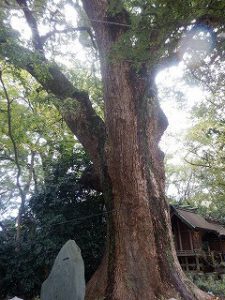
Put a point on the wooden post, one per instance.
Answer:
(197, 263)
(221, 251)
(190, 239)
(186, 263)
(179, 236)
(213, 258)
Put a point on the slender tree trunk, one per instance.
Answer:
(23, 194)
(22, 191)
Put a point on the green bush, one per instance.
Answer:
(62, 209)
(210, 284)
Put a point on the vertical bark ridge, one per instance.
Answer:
(152, 124)
(129, 190)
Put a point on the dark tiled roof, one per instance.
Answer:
(198, 222)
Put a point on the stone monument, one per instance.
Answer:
(66, 280)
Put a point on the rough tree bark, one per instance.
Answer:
(140, 260)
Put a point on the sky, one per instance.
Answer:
(178, 111)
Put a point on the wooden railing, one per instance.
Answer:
(198, 252)
(199, 260)
(189, 252)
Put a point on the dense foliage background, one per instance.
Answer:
(62, 209)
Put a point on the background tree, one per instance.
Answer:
(195, 175)
(25, 139)
(205, 141)
(62, 209)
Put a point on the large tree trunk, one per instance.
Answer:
(140, 261)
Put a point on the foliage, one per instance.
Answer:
(205, 145)
(197, 177)
(159, 28)
(210, 284)
(37, 128)
(34, 123)
(63, 209)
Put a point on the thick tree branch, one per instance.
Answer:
(38, 40)
(45, 37)
(73, 103)
(58, 84)
(32, 23)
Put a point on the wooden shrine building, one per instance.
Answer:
(200, 244)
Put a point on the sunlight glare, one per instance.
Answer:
(177, 113)
(70, 15)
(196, 45)
(20, 25)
